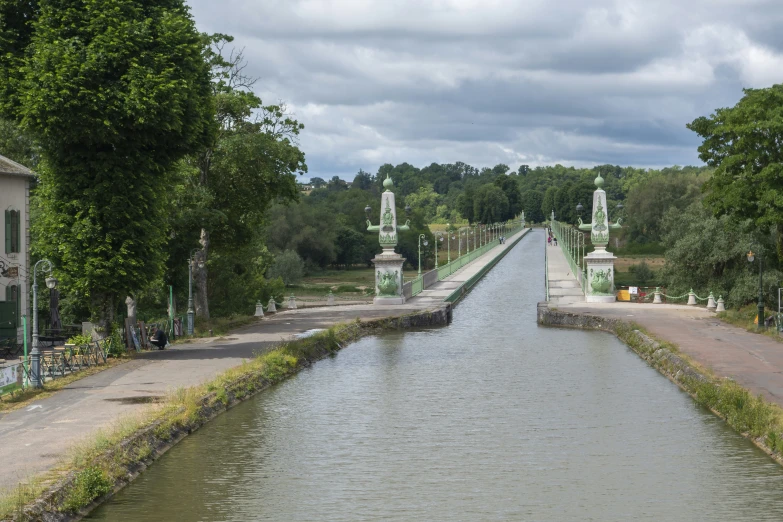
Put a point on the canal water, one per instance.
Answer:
(490, 418)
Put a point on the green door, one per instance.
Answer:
(8, 319)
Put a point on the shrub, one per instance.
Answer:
(80, 339)
(90, 483)
(288, 266)
(642, 272)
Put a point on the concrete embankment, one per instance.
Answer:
(752, 416)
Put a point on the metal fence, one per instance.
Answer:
(425, 280)
(572, 242)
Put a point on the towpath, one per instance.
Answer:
(752, 360)
(34, 438)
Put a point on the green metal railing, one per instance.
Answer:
(572, 242)
(444, 271)
(546, 272)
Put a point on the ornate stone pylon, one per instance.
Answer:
(600, 263)
(388, 264)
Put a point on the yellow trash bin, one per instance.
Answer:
(623, 295)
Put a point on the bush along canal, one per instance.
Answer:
(492, 417)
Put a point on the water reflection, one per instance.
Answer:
(491, 418)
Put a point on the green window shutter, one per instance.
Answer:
(7, 231)
(15, 230)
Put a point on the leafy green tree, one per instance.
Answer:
(465, 204)
(426, 200)
(336, 184)
(548, 203)
(350, 245)
(17, 145)
(510, 188)
(288, 266)
(490, 204)
(655, 195)
(362, 181)
(317, 182)
(532, 200)
(249, 162)
(708, 253)
(743, 145)
(115, 92)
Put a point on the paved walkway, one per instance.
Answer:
(564, 287)
(442, 289)
(34, 438)
(754, 361)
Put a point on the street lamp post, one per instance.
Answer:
(438, 239)
(760, 316)
(448, 241)
(421, 236)
(35, 355)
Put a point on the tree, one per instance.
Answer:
(653, 196)
(548, 203)
(288, 266)
(362, 181)
(350, 244)
(510, 189)
(490, 204)
(249, 161)
(317, 182)
(336, 184)
(532, 201)
(115, 92)
(707, 253)
(17, 145)
(743, 144)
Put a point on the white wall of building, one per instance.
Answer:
(15, 194)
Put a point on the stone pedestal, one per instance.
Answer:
(388, 278)
(599, 287)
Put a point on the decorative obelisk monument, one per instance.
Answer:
(388, 264)
(600, 263)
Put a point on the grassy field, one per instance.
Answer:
(625, 277)
(621, 264)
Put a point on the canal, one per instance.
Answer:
(490, 418)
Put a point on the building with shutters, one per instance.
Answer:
(15, 180)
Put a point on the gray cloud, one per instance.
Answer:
(580, 82)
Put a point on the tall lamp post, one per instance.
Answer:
(421, 236)
(448, 242)
(760, 317)
(35, 355)
(438, 239)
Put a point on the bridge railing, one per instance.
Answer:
(572, 242)
(444, 271)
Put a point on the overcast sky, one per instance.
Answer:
(576, 82)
